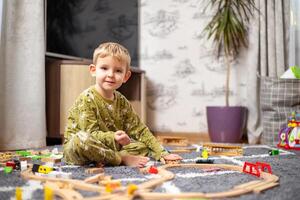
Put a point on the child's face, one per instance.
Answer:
(110, 75)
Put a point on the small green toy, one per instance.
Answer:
(23, 153)
(8, 170)
(274, 152)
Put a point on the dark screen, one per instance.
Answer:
(77, 27)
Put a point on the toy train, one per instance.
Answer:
(289, 136)
(42, 169)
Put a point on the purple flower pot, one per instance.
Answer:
(226, 124)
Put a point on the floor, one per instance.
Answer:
(285, 166)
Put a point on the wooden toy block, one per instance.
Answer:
(182, 150)
(173, 141)
(95, 170)
(6, 156)
(218, 149)
(94, 179)
(51, 160)
(23, 165)
(131, 189)
(25, 159)
(48, 193)
(18, 193)
(173, 161)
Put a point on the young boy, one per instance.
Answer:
(102, 126)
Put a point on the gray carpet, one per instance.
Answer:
(286, 166)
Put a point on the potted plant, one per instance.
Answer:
(229, 31)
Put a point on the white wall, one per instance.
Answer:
(184, 76)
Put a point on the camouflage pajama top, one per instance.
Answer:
(100, 118)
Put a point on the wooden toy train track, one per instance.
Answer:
(65, 187)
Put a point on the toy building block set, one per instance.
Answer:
(289, 136)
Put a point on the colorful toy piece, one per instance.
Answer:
(11, 164)
(131, 189)
(8, 170)
(41, 169)
(204, 153)
(274, 152)
(289, 136)
(23, 153)
(205, 161)
(48, 193)
(110, 186)
(153, 170)
(251, 168)
(18, 193)
(262, 166)
(256, 168)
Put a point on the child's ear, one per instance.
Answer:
(92, 70)
(127, 76)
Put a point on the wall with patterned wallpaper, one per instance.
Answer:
(183, 74)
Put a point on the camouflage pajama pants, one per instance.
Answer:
(83, 148)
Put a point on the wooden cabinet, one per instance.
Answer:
(66, 79)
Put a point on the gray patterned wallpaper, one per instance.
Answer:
(184, 75)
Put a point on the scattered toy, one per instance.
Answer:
(48, 193)
(205, 161)
(112, 185)
(251, 168)
(173, 141)
(8, 170)
(94, 170)
(131, 189)
(50, 159)
(41, 169)
(262, 166)
(173, 161)
(23, 165)
(219, 149)
(18, 193)
(23, 153)
(153, 170)
(289, 136)
(204, 153)
(273, 152)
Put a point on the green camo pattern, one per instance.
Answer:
(91, 124)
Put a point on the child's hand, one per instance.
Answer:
(122, 138)
(172, 157)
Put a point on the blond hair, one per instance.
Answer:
(112, 49)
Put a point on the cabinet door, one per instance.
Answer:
(74, 79)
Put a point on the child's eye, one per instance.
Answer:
(119, 70)
(103, 68)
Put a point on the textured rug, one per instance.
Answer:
(286, 166)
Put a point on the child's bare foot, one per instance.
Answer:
(134, 161)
